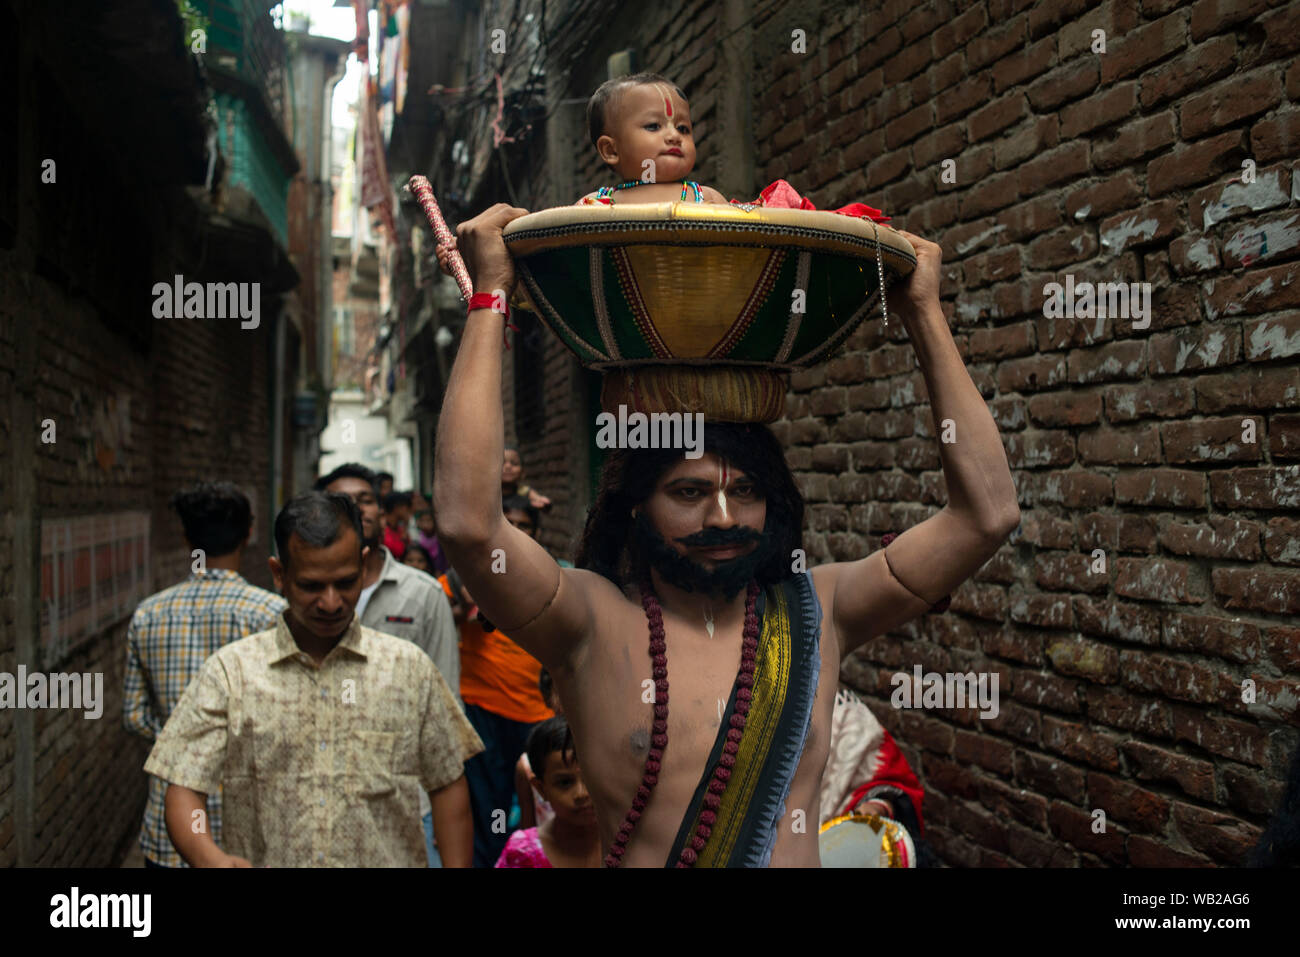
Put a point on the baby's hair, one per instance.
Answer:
(609, 91)
(550, 736)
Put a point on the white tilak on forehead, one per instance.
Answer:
(723, 479)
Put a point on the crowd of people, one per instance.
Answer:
(368, 714)
(215, 667)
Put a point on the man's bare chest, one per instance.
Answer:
(610, 700)
(618, 681)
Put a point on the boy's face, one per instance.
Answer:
(512, 469)
(562, 785)
(363, 493)
(415, 558)
(649, 122)
(424, 521)
(522, 521)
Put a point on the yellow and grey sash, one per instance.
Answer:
(776, 729)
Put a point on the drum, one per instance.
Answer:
(865, 840)
(696, 307)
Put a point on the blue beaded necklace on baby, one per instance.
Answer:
(689, 187)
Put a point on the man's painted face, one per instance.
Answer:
(651, 122)
(361, 492)
(511, 469)
(703, 527)
(321, 585)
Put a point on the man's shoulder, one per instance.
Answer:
(603, 595)
(258, 607)
(234, 589)
(186, 590)
(258, 594)
(411, 577)
(404, 651)
(161, 600)
(255, 647)
(825, 577)
(416, 585)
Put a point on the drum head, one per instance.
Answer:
(865, 840)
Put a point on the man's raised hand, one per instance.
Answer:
(479, 242)
(920, 290)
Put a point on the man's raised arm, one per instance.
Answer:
(511, 577)
(926, 562)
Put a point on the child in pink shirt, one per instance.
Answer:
(570, 838)
(535, 810)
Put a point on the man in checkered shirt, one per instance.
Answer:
(173, 632)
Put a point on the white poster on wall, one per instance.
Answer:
(94, 572)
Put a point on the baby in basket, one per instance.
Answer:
(641, 127)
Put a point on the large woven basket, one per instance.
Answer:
(741, 294)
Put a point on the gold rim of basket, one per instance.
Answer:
(689, 224)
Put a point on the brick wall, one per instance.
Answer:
(1122, 691)
(198, 401)
(78, 344)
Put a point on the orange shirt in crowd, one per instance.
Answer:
(497, 675)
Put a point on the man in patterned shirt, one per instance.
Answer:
(398, 599)
(173, 632)
(320, 732)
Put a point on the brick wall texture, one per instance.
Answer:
(1122, 690)
(78, 338)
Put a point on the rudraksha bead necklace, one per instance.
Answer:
(659, 730)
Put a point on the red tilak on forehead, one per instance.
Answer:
(668, 105)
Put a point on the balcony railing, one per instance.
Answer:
(245, 36)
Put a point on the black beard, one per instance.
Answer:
(727, 578)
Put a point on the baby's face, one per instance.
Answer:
(650, 122)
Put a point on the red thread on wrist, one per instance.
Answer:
(487, 300)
